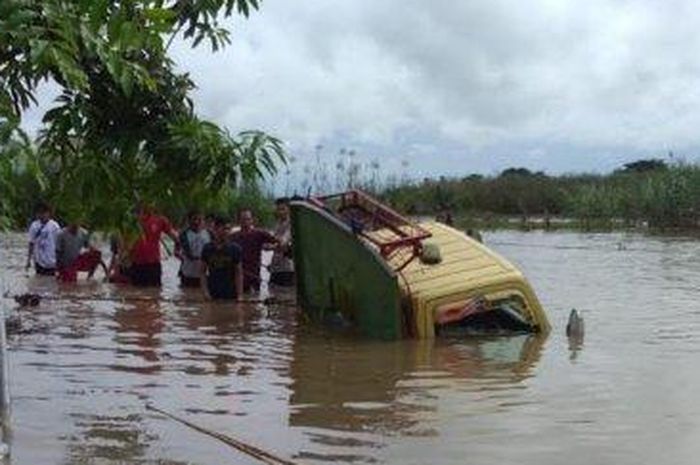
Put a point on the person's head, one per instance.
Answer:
(209, 221)
(448, 218)
(73, 226)
(195, 219)
(219, 229)
(282, 209)
(73, 220)
(246, 219)
(43, 212)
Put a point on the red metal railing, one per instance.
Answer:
(365, 215)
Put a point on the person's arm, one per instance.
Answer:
(171, 232)
(55, 231)
(203, 279)
(185, 245)
(284, 243)
(30, 252)
(167, 228)
(30, 249)
(239, 282)
(88, 242)
(173, 235)
(270, 242)
(59, 251)
(114, 248)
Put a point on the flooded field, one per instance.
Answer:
(85, 371)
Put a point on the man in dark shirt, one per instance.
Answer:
(221, 275)
(251, 240)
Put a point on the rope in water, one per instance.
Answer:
(237, 444)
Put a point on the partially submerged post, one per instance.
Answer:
(4, 385)
(575, 328)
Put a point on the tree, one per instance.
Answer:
(19, 175)
(515, 172)
(123, 127)
(644, 166)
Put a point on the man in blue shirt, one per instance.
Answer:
(221, 274)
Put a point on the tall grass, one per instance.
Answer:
(668, 197)
(646, 193)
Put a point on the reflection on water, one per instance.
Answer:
(137, 335)
(340, 385)
(388, 389)
(82, 377)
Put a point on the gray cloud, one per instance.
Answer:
(462, 86)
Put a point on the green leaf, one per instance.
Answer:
(127, 82)
(160, 17)
(70, 71)
(38, 47)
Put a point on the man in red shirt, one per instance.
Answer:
(251, 240)
(145, 254)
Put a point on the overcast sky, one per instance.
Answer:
(460, 86)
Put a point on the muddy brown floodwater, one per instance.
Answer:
(84, 372)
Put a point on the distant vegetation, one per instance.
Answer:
(647, 193)
(654, 193)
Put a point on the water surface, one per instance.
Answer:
(84, 373)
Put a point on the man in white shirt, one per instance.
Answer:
(42, 242)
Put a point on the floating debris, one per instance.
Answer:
(27, 300)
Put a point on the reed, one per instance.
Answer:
(666, 197)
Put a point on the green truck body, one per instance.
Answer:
(340, 279)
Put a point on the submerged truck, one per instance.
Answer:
(362, 266)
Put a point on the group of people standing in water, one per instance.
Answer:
(224, 261)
